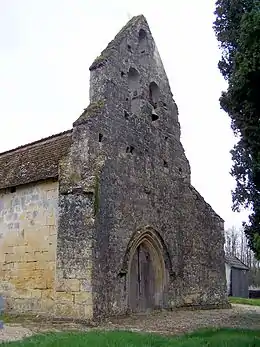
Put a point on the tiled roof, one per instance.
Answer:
(235, 262)
(33, 162)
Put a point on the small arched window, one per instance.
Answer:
(143, 42)
(154, 94)
(133, 79)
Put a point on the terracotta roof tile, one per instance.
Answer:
(33, 162)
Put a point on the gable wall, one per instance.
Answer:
(28, 239)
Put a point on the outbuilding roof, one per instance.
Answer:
(235, 262)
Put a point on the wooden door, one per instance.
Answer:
(142, 280)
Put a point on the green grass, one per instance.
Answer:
(244, 301)
(201, 338)
(7, 318)
(16, 318)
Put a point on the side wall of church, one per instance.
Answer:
(28, 240)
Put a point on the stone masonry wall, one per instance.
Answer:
(127, 143)
(75, 231)
(28, 238)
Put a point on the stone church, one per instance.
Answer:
(102, 219)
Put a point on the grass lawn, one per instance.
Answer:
(244, 301)
(201, 338)
(7, 319)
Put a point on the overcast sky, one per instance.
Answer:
(47, 46)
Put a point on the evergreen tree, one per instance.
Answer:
(237, 27)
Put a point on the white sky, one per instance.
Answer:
(47, 46)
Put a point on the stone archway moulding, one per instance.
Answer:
(152, 237)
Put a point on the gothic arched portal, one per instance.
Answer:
(147, 275)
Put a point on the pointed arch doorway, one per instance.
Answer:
(146, 274)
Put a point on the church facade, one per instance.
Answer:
(102, 219)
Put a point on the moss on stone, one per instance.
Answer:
(95, 106)
(113, 45)
(92, 110)
(99, 61)
(75, 177)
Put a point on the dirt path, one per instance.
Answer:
(175, 322)
(181, 321)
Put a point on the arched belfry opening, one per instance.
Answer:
(143, 41)
(133, 79)
(134, 89)
(147, 273)
(154, 94)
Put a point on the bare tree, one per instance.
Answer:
(236, 244)
(231, 244)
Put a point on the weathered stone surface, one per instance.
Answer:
(127, 171)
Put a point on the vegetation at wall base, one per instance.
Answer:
(244, 301)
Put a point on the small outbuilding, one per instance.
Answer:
(236, 276)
